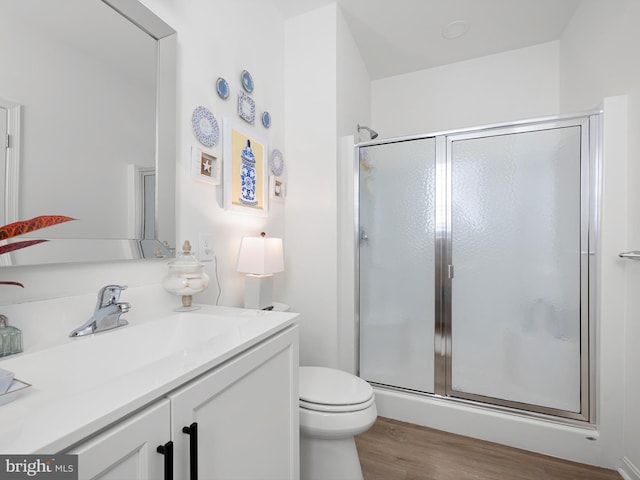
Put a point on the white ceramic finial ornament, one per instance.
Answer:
(186, 278)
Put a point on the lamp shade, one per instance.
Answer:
(260, 255)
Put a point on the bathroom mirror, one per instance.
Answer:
(87, 97)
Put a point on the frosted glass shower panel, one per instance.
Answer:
(396, 252)
(515, 247)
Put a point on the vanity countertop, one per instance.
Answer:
(83, 386)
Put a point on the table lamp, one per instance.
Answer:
(260, 257)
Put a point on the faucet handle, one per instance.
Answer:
(109, 295)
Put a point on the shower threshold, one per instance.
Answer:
(490, 405)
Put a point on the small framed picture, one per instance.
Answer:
(276, 188)
(205, 166)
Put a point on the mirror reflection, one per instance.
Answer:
(79, 97)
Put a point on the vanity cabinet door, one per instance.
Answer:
(127, 450)
(246, 413)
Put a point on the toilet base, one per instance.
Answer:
(335, 459)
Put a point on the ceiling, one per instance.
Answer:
(402, 36)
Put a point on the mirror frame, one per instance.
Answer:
(91, 250)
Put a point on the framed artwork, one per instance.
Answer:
(245, 171)
(205, 166)
(276, 188)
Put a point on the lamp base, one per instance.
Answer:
(258, 291)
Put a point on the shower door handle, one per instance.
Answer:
(633, 255)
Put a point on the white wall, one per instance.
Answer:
(328, 94)
(354, 107)
(611, 281)
(353, 82)
(497, 88)
(632, 326)
(598, 58)
(311, 206)
(220, 39)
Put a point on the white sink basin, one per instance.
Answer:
(101, 357)
(128, 348)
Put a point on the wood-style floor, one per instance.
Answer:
(393, 450)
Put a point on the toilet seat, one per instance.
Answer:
(329, 390)
(320, 407)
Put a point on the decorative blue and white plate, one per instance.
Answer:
(246, 108)
(247, 81)
(222, 87)
(266, 119)
(276, 162)
(205, 126)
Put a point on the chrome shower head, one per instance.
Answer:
(372, 133)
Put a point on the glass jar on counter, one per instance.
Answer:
(10, 338)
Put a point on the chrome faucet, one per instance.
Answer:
(107, 314)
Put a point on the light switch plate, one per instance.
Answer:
(205, 247)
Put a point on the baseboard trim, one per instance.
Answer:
(629, 471)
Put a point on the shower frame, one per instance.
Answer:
(590, 173)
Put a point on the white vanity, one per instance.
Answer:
(218, 386)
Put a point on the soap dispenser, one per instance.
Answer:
(10, 338)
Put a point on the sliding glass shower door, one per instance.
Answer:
(474, 263)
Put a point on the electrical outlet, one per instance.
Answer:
(205, 250)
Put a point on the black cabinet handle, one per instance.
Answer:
(192, 431)
(167, 451)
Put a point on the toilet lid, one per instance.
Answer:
(324, 388)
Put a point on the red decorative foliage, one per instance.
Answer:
(26, 226)
(10, 247)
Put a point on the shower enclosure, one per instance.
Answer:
(475, 264)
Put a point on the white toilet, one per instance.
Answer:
(334, 407)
